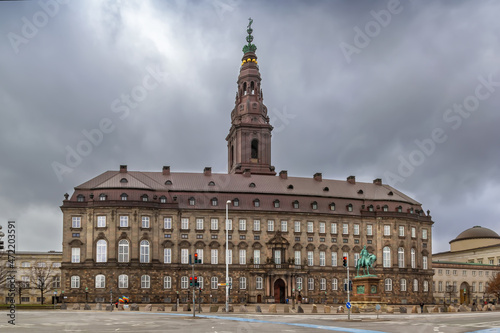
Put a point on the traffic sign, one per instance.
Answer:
(348, 305)
(221, 284)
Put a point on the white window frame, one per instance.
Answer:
(214, 282)
(387, 230)
(167, 255)
(310, 258)
(101, 251)
(310, 284)
(145, 281)
(356, 229)
(413, 256)
(345, 229)
(322, 284)
(167, 282)
(123, 281)
(386, 254)
(101, 221)
(184, 256)
(258, 283)
(214, 257)
(243, 257)
(401, 231)
(75, 254)
(334, 259)
(335, 284)
(200, 224)
(256, 225)
(388, 284)
(242, 225)
(256, 257)
(75, 282)
(167, 223)
(369, 230)
(76, 222)
(144, 251)
(322, 258)
(145, 222)
(123, 221)
(270, 225)
(310, 227)
(297, 258)
(333, 228)
(214, 224)
(184, 223)
(243, 282)
(123, 250)
(296, 226)
(284, 226)
(402, 285)
(322, 227)
(100, 281)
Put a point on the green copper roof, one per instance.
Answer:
(249, 47)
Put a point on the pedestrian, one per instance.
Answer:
(421, 307)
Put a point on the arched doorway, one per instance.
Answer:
(279, 291)
(465, 293)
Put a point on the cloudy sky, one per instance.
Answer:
(407, 92)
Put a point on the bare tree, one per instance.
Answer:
(41, 277)
(20, 287)
(4, 267)
(493, 286)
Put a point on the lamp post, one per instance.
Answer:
(227, 257)
(86, 295)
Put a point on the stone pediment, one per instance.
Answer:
(278, 239)
(75, 242)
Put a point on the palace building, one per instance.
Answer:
(132, 232)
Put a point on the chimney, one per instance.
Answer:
(318, 176)
(123, 169)
(207, 171)
(377, 181)
(351, 180)
(284, 174)
(166, 170)
(247, 173)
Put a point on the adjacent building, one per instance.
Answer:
(132, 232)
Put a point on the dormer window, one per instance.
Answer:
(80, 198)
(236, 202)
(256, 203)
(145, 197)
(102, 197)
(390, 193)
(211, 183)
(370, 208)
(191, 201)
(360, 192)
(326, 189)
(163, 199)
(332, 206)
(385, 208)
(296, 204)
(290, 187)
(168, 182)
(314, 205)
(349, 207)
(214, 201)
(124, 196)
(399, 209)
(123, 180)
(251, 185)
(276, 203)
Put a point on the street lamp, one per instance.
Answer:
(86, 295)
(227, 257)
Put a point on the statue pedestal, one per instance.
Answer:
(366, 289)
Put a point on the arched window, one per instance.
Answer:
(255, 148)
(402, 284)
(100, 281)
(124, 196)
(145, 197)
(370, 208)
(386, 253)
(145, 281)
(314, 205)
(399, 209)
(163, 199)
(80, 198)
(349, 207)
(123, 250)
(252, 88)
(101, 253)
(385, 208)
(413, 262)
(332, 206)
(388, 285)
(214, 201)
(244, 88)
(75, 281)
(426, 285)
(102, 197)
(192, 202)
(123, 281)
(123, 180)
(236, 202)
(296, 204)
(401, 257)
(144, 251)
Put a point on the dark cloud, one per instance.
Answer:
(358, 114)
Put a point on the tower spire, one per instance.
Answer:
(249, 138)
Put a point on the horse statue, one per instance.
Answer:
(365, 261)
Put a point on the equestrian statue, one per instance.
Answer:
(365, 261)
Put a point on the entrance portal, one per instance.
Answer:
(259, 298)
(279, 291)
(464, 293)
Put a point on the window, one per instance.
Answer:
(167, 255)
(310, 227)
(473, 287)
(401, 257)
(75, 255)
(184, 223)
(297, 257)
(76, 222)
(256, 203)
(199, 224)
(101, 221)
(314, 205)
(356, 230)
(124, 196)
(426, 285)
(236, 202)
(296, 227)
(144, 249)
(415, 285)
(200, 255)
(333, 228)
(387, 230)
(243, 225)
(243, 257)
(145, 197)
(385, 208)
(123, 281)
(440, 286)
(56, 282)
(167, 223)
(41, 264)
(386, 254)
(258, 282)
(214, 281)
(298, 283)
(332, 206)
(335, 284)
(284, 226)
(413, 232)
(256, 257)
(349, 207)
(163, 199)
(388, 285)
(214, 256)
(123, 250)
(58, 265)
(369, 230)
(167, 282)
(356, 258)
(270, 225)
(101, 250)
(322, 258)
(322, 284)
(230, 256)
(345, 229)
(75, 281)
(413, 261)
(100, 281)
(229, 225)
(310, 258)
(296, 204)
(402, 284)
(276, 204)
(184, 256)
(310, 284)
(401, 231)
(214, 224)
(27, 264)
(256, 225)
(480, 287)
(191, 201)
(184, 282)
(80, 198)
(214, 201)
(145, 281)
(145, 221)
(200, 281)
(123, 221)
(102, 197)
(243, 282)
(322, 228)
(424, 234)
(334, 259)
(399, 208)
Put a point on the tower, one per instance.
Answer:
(249, 138)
